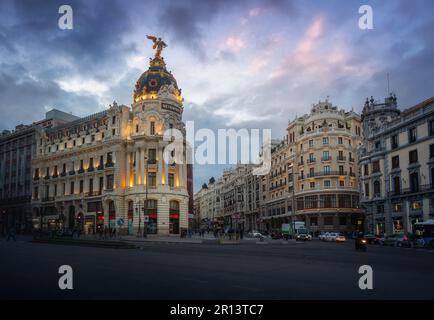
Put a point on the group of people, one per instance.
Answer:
(106, 232)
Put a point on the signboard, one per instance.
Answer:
(190, 216)
(171, 107)
(120, 222)
(146, 218)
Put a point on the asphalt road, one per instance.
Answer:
(313, 270)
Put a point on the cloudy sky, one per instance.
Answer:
(240, 64)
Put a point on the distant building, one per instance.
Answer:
(17, 149)
(397, 165)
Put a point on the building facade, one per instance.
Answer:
(109, 170)
(323, 169)
(397, 165)
(17, 150)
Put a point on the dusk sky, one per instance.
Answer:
(240, 64)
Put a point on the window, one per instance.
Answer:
(397, 207)
(414, 182)
(325, 140)
(152, 179)
(340, 141)
(312, 185)
(412, 156)
(431, 151)
(376, 166)
(394, 141)
(366, 189)
(101, 184)
(377, 188)
(341, 155)
(109, 182)
(431, 127)
(343, 221)
(72, 187)
(341, 170)
(90, 186)
(396, 185)
(311, 172)
(137, 128)
(415, 205)
(109, 158)
(310, 143)
(366, 170)
(341, 183)
(326, 170)
(325, 155)
(152, 156)
(91, 163)
(81, 186)
(152, 128)
(327, 183)
(113, 120)
(328, 221)
(395, 162)
(412, 135)
(171, 180)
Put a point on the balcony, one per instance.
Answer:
(152, 161)
(93, 193)
(36, 178)
(80, 171)
(90, 169)
(351, 160)
(47, 177)
(311, 160)
(47, 199)
(55, 176)
(342, 158)
(327, 173)
(300, 163)
(109, 164)
(329, 158)
(63, 174)
(71, 173)
(100, 167)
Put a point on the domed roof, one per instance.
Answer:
(156, 80)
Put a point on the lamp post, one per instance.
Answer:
(139, 232)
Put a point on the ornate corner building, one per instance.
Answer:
(108, 169)
(397, 165)
(322, 169)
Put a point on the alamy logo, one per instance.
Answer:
(366, 280)
(66, 280)
(66, 19)
(366, 21)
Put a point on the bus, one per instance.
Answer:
(425, 233)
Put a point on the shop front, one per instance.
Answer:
(89, 224)
(174, 217)
(151, 212)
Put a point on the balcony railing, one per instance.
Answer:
(329, 158)
(47, 199)
(71, 173)
(327, 173)
(100, 167)
(63, 174)
(93, 193)
(109, 164)
(90, 169)
(311, 160)
(342, 158)
(80, 171)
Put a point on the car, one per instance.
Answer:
(372, 239)
(276, 235)
(340, 238)
(323, 236)
(303, 237)
(255, 234)
(331, 236)
(389, 240)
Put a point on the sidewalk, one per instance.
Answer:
(160, 239)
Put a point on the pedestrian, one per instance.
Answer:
(105, 232)
(11, 234)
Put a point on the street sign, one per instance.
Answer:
(146, 218)
(120, 222)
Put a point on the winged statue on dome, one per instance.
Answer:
(159, 45)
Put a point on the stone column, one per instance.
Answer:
(142, 166)
(128, 167)
(136, 177)
(160, 166)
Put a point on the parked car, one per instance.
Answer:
(323, 236)
(331, 236)
(340, 238)
(276, 235)
(390, 240)
(303, 237)
(255, 234)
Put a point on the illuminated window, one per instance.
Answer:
(152, 128)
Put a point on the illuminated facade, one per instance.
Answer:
(322, 169)
(397, 165)
(108, 170)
